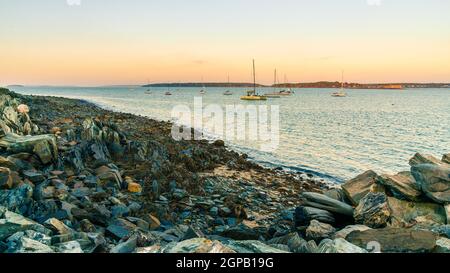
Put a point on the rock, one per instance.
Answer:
(27, 245)
(446, 158)
(192, 233)
(318, 231)
(406, 214)
(44, 146)
(304, 215)
(442, 245)
(34, 176)
(109, 177)
(57, 226)
(343, 233)
(402, 185)
(8, 163)
(292, 240)
(395, 239)
(373, 211)
(360, 186)
(152, 221)
(87, 226)
(23, 109)
(447, 213)
(219, 143)
(337, 194)
(69, 247)
(126, 247)
(199, 245)
(434, 180)
(134, 187)
(419, 159)
(120, 228)
(250, 246)
(31, 234)
(17, 200)
(339, 245)
(8, 179)
(320, 201)
(241, 232)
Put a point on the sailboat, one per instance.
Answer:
(273, 95)
(228, 92)
(168, 93)
(252, 95)
(148, 92)
(341, 93)
(203, 91)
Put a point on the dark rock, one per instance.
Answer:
(17, 200)
(241, 232)
(402, 185)
(34, 176)
(320, 201)
(373, 210)
(304, 215)
(120, 228)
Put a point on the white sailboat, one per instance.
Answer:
(228, 92)
(341, 93)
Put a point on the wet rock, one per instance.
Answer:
(44, 146)
(434, 180)
(373, 210)
(318, 231)
(360, 186)
(337, 194)
(442, 245)
(304, 215)
(395, 239)
(406, 214)
(199, 245)
(252, 246)
(402, 185)
(120, 228)
(320, 201)
(343, 233)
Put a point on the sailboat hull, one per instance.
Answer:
(253, 98)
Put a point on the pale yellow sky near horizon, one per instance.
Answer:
(116, 42)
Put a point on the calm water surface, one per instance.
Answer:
(335, 137)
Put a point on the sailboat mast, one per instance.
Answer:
(342, 81)
(254, 77)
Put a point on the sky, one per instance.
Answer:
(114, 42)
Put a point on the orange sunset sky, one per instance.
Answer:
(101, 42)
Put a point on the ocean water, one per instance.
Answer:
(336, 138)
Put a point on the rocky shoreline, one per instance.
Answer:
(75, 178)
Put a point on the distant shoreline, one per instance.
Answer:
(308, 85)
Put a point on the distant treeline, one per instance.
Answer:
(321, 84)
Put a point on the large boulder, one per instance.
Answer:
(442, 245)
(434, 181)
(343, 233)
(402, 185)
(419, 159)
(360, 186)
(44, 146)
(304, 215)
(373, 210)
(395, 240)
(321, 201)
(406, 214)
